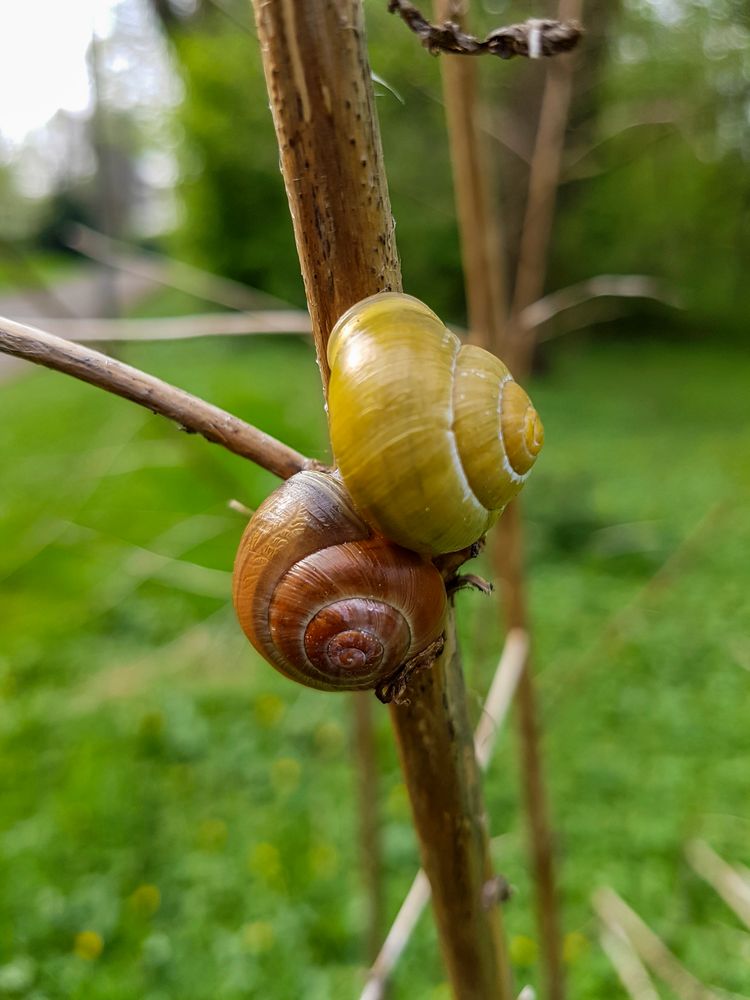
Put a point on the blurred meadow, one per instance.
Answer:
(177, 820)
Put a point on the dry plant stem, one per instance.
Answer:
(323, 108)
(225, 324)
(481, 251)
(493, 716)
(601, 286)
(508, 561)
(450, 818)
(485, 294)
(368, 783)
(322, 102)
(517, 346)
(544, 178)
(730, 884)
(531, 38)
(629, 968)
(616, 914)
(190, 412)
(166, 271)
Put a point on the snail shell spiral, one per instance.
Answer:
(431, 438)
(325, 601)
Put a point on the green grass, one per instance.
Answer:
(163, 788)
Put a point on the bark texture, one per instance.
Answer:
(319, 82)
(323, 109)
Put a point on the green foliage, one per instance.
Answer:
(656, 180)
(179, 821)
(237, 220)
(660, 184)
(236, 215)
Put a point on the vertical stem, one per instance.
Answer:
(323, 108)
(320, 87)
(431, 733)
(544, 178)
(480, 242)
(365, 751)
(478, 221)
(508, 564)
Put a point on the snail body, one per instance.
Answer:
(432, 438)
(327, 602)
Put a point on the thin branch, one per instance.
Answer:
(232, 324)
(398, 937)
(544, 180)
(191, 413)
(623, 286)
(240, 508)
(478, 218)
(499, 698)
(629, 968)
(512, 661)
(481, 255)
(615, 913)
(166, 271)
(733, 887)
(365, 753)
(532, 38)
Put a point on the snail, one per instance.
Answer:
(432, 438)
(329, 603)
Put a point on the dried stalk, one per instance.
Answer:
(533, 38)
(485, 294)
(481, 243)
(321, 95)
(226, 324)
(191, 413)
(508, 562)
(162, 270)
(495, 709)
(544, 179)
(725, 880)
(516, 344)
(624, 286)
(629, 968)
(615, 913)
(370, 841)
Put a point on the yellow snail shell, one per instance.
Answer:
(431, 438)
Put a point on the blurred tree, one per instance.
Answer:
(656, 178)
(235, 214)
(662, 184)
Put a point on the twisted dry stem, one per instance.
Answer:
(531, 38)
(191, 413)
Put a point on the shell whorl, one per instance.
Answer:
(326, 602)
(432, 438)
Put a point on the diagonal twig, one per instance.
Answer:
(616, 914)
(640, 286)
(167, 271)
(190, 412)
(729, 883)
(532, 38)
(629, 968)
